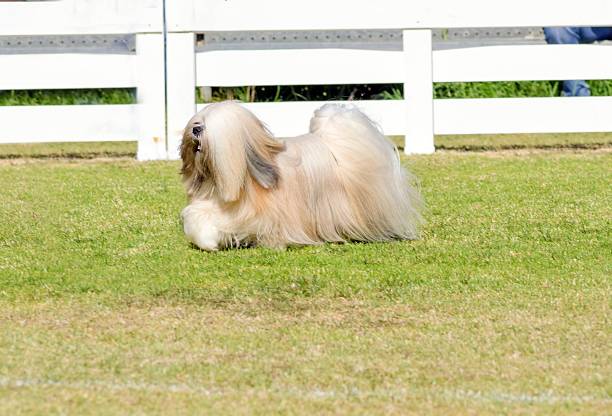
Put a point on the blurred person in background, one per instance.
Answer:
(576, 35)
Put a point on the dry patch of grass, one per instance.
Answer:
(79, 150)
(524, 141)
(480, 142)
(321, 356)
(497, 142)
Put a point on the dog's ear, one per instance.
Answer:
(240, 146)
(262, 168)
(261, 150)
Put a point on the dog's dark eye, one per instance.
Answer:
(197, 130)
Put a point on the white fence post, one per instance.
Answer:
(150, 91)
(181, 81)
(418, 92)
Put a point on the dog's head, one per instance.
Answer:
(225, 147)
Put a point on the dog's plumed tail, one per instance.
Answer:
(367, 195)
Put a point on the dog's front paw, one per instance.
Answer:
(206, 238)
(200, 231)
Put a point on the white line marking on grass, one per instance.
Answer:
(548, 397)
(95, 384)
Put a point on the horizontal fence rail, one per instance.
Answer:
(69, 123)
(523, 115)
(65, 71)
(355, 66)
(78, 17)
(242, 15)
(276, 42)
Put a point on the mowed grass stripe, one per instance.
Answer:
(113, 228)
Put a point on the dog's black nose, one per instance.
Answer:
(197, 130)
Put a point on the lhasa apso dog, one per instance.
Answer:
(341, 181)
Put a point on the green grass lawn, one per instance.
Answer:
(502, 307)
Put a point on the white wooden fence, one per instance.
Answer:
(143, 122)
(416, 65)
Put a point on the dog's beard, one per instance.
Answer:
(196, 167)
(201, 174)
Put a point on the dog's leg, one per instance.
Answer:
(201, 225)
